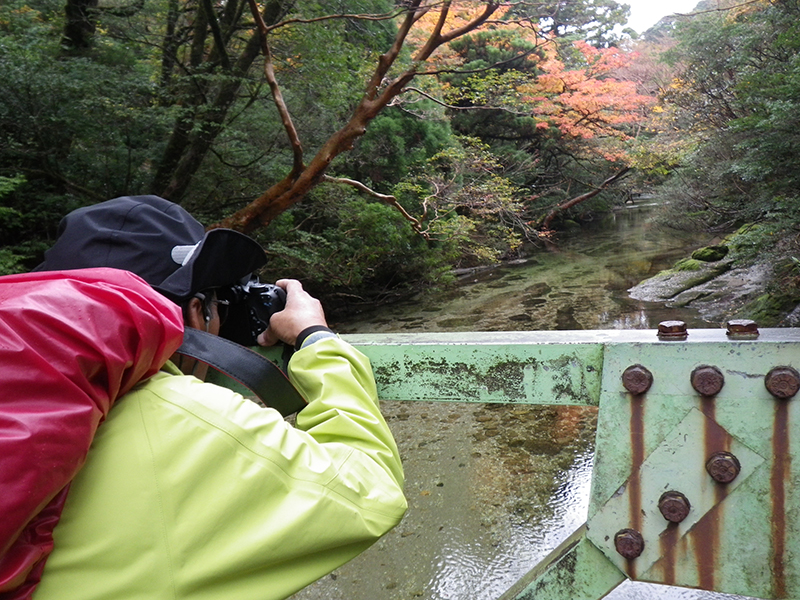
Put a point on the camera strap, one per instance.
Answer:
(257, 373)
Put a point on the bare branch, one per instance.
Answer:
(360, 17)
(69, 184)
(464, 108)
(712, 10)
(280, 103)
(488, 11)
(303, 178)
(498, 64)
(388, 199)
(219, 43)
(435, 40)
(387, 60)
(122, 11)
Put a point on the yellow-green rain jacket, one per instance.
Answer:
(191, 491)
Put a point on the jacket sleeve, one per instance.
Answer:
(71, 343)
(343, 411)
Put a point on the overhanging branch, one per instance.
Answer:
(582, 198)
(388, 199)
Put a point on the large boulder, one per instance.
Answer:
(686, 275)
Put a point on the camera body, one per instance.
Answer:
(251, 305)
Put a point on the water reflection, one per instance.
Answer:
(493, 489)
(581, 284)
(530, 494)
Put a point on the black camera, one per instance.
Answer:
(249, 305)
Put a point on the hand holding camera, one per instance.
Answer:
(302, 311)
(262, 313)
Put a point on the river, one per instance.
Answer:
(580, 284)
(493, 488)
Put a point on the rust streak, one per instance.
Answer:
(707, 530)
(716, 438)
(709, 407)
(781, 462)
(637, 458)
(705, 534)
(669, 541)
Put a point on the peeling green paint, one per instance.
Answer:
(541, 374)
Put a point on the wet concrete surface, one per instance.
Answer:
(491, 489)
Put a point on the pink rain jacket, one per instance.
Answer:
(71, 343)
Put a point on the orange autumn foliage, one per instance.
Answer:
(586, 102)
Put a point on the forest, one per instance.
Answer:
(374, 147)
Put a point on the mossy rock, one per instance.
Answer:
(769, 309)
(688, 264)
(686, 274)
(710, 253)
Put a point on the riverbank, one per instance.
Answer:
(737, 282)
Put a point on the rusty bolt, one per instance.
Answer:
(637, 379)
(707, 380)
(674, 506)
(629, 543)
(742, 328)
(672, 330)
(723, 467)
(782, 382)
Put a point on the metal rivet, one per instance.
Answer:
(723, 467)
(742, 329)
(707, 380)
(674, 506)
(629, 543)
(782, 382)
(637, 379)
(672, 330)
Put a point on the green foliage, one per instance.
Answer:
(153, 104)
(769, 309)
(21, 252)
(72, 125)
(351, 250)
(396, 143)
(595, 21)
(10, 263)
(771, 244)
(463, 197)
(756, 240)
(9, 184)
(321, 68)
(740, 95)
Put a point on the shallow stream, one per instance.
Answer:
(492, 489)
(581, 283)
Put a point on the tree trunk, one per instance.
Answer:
(193, 136)
(380, 92)
(80, 24)
(197, 129)
(548, 219)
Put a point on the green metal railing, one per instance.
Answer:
(696, 480)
